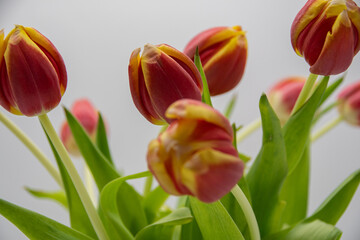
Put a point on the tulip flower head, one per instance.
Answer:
(32, 72)
(223, 53)
(159, 77)
(283, 95)
(349, 104)
(327, 34)
(88, 117)
(195, 155)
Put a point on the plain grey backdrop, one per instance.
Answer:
(96, 39)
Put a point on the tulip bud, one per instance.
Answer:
(87, 116)
(161, 76)
(283, 95)
(327, 34)
(195, 155)
(32, 72)
(223, 52)
(349, 104)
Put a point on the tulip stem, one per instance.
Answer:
(327, 127)
(89, 183)
(248, 129)
(305, 92)
(248, 212)
(79, 186)
(32, 147)
(148, 185)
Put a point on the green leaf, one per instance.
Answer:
(206, 98)
(297, 129)
(79, 219)
(230, 107)
(314, 230)
(102, 171)
(101, 139)
(268, 172)
(331, 88)
(153, 201)
(335, 205)
(164, 228)
(214, 221)
(191, 230)
(295, 191)
(36, 226)
(57, 196)
(120, 204)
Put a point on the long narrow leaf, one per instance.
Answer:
(206, 94)
(268, 172)
(101, 139)
(153, 201)
(314, 230)
(214, 221)
(297, 129)
(57, 196)
(164, 228)
(100, 167)
(36, 226)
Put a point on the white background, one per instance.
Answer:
(96, 39)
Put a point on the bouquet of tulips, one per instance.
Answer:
(222, 193)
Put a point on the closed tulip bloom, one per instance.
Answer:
(195, 155)
(349, 104)
(223, 53)
(327, 34)
(32, 72)
(159, 77)
(283, 95)
(87, 116)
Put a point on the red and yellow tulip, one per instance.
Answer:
(223, 53)
(349, 104)
(159, 77)
(327, 34)
(195, 155)
(32, 72)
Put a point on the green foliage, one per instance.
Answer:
(314, 230)
(36, 226)
(153, 201)
(214, 221)
(206, 98)
(101, 168)
(57, 196)
(101, 139)
(268, 172)
(163, 229)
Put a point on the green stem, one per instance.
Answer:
(305, 92)
(32, 147)
(248, 212)
(79, 186)
(148, 185)
(248, 129)
(89, 183)
(327, 127)
(324, 111)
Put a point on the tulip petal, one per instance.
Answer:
(52, 53)
(338, 50)
(192, 109)
(32, 77)
(165, 80)
(211, 174)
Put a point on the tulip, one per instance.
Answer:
(283, 95)
(195, 155)
(223, 52)
(159, 77)
(327, 34)
(349, 104)
(87, 116)
(32, 72)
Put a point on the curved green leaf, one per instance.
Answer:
(153, 201)
(297, 129)
(314, 230)
(268, 172)
(163, 229)
(102, 171)
(57, 196)
(335, 205)
(101, 139)
(214, 221)
(36, 226)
